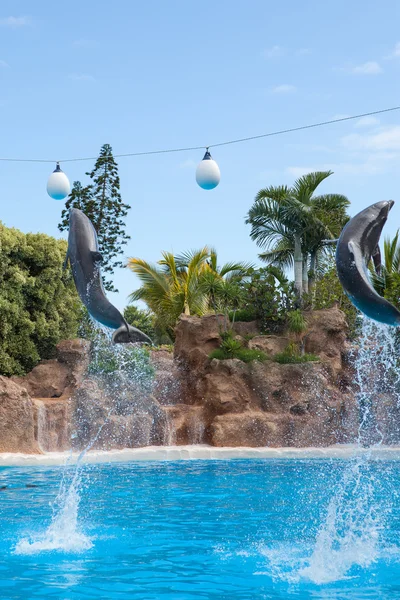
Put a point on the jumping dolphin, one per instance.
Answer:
(358, 242)
(85, 259)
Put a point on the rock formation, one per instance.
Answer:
(269, 404)
(193, 399)
(17, 423)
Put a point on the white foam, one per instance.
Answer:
(199, 452)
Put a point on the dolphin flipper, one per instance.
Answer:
(65, 263)
(97, 256)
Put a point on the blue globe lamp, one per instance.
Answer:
(58, 186)
(208, 175)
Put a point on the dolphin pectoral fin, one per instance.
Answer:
(65, 263)
(377, 258)
(132, 335)
(97, 256)
(350, 246)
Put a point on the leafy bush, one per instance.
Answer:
(244, 315)
(269, 296)
(296, 322)
(233, 348)
(39, 305)
(328, 292)
(285, 358)
(245, 354)
(229, 344)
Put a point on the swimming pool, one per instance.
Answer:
(237, 529)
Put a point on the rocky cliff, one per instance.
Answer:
(192, 399)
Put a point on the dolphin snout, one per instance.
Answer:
(385, 206)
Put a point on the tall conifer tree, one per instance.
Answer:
(79, 197)
(101, 201)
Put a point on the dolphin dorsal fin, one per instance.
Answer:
(97, 256)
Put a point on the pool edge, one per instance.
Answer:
(198, 452)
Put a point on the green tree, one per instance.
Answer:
(293, 224)
(38, 305)
(80, 197)
(101, 201)
(191, 283)
(171, 287)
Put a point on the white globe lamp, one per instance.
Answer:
(208, 175)
(58, 186)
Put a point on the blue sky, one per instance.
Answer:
(149, 75)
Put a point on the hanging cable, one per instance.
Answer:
(217, 145)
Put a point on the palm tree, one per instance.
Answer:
(191, 283)
(386, 277)
(293, 224)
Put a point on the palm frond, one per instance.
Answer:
(281, 258)
(304, 187)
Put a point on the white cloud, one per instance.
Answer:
(387, 138)
(274, 52)
(4, 64)
(395, 53)
(15, 21)
(284, 89)
(371, 165)
(339, 116)
(369, 68)
(369, 153)
(187, 164)
(81, 77)
(367, 122)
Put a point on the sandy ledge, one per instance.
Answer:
(200, 452)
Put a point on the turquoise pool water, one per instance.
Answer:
(238, 529)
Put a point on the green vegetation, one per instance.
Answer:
(297, 327)
(191, 284)
(38, 304)
(244, 354)
(288, 358)
(294, 352)
(101, 201)
(232, 347)
(293, 226)
(386, 280)
(329, 292)
(268, 296)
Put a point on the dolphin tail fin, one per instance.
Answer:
(126, 334)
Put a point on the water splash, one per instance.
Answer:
(116, 364)
(350, 536)
(64, 532)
